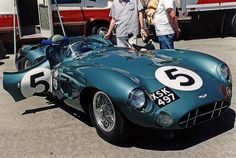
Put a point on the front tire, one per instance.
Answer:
(109, 123)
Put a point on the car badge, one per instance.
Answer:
(202, 96)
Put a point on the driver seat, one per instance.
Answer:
(82, 48)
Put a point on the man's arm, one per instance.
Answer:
(111, 27)
(141, 22)
(173, 20)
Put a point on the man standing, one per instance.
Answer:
(166, 23)
(127, 16)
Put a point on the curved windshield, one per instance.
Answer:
(84, 46)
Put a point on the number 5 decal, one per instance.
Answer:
(35, 82)
(170, 74)
(178, 78)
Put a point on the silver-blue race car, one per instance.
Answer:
(162, 89)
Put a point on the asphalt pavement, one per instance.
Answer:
(40, 128)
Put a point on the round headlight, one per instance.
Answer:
(226, 74)
(137, 98)
(54, 80)
(55, 73)
(164, 119)
(54, 83)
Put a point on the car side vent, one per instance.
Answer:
(203, 113)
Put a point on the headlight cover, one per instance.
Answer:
(225, 73)
(137, 98)
(164, 119)
(55, 74)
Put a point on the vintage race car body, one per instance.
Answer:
(163, 89)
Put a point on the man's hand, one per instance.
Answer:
(111, 26)
(178, 33)
(107, 35)
(143, 33)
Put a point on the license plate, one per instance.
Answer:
(164, 96)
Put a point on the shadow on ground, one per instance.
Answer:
(5, 57)
(152, 139)
(55, 103)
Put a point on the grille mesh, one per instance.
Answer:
(203, 113)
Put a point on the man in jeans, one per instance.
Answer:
(127, 16)
(166, 23)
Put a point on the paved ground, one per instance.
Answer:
(38, 128)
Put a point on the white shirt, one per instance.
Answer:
(161, 21)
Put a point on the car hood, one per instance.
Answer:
(143, 67)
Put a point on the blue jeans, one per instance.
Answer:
(166, 41)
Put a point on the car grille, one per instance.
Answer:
(203, 113)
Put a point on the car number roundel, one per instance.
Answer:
(178, 78)
(36, 82)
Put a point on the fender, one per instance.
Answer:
(36, 52)
(198, 60)
(28, 83)
(109, 80)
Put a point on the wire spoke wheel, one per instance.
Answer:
(104, 111)
(108, 119)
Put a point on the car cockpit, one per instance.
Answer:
(61, 48)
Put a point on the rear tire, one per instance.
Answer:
(98, 29)
(3, 51)
(233, 25)
(106, 118)
(2, 54)
(26, 64)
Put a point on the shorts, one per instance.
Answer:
(122, 41)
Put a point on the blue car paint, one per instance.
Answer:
(12, 80)
(117, 71)
(116, 75)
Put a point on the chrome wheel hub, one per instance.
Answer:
(104, 111)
